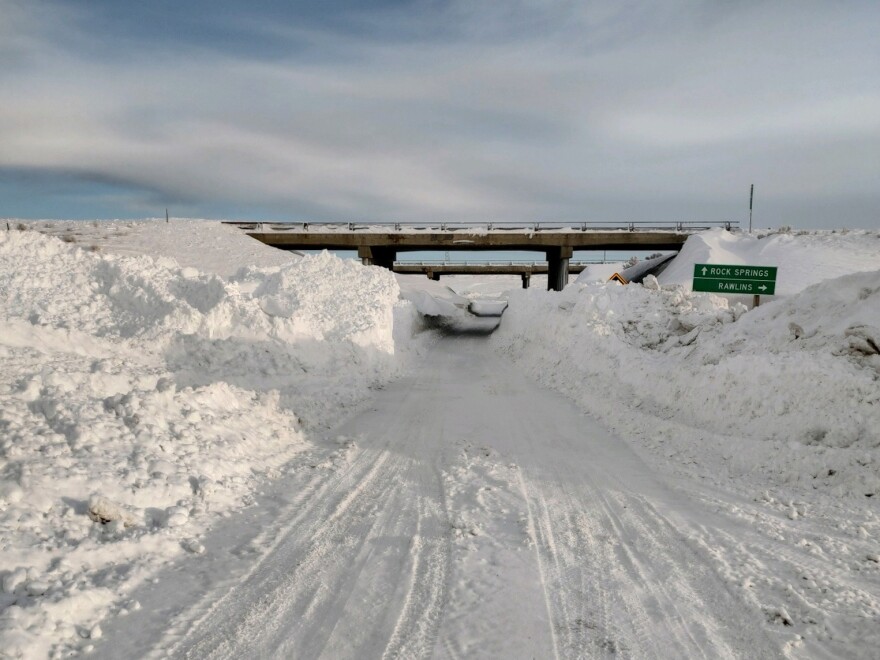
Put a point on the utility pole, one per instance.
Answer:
(751, 198)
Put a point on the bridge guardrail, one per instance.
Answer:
(494, 264)
(659, 225)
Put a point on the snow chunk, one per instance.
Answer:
(103, 510)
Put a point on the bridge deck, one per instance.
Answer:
(526, 236)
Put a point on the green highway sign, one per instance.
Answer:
(725, 279)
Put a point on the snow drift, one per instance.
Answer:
(790, 390)
(803, 258)
(138, 399)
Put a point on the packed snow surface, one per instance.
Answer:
(468, 512)
(240, 452)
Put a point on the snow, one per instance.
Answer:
(140, 399)
(803, 258)
(798, 371)
(467, 512)
(209, 446)
(599, 272)
(431, 298)
(488, 307)
(778, 407)
(208, 246)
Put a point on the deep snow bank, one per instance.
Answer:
(803, 258)
(789, 392)
(769, 418)
(138, 398)
(207, 245)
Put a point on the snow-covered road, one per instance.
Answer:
(465, 512)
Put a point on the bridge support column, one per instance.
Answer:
(557, 267)
(526, 278)
(384, 257)
(377, 256)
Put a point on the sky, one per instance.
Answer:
(424, 110)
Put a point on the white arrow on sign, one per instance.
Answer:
(763, 287)
(704, 271)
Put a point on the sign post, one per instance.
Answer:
(736, 279)
(751, 199)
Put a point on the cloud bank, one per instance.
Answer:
(428, 110)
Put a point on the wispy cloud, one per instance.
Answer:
(452, 110)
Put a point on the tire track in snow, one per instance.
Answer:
(652, 595)
(283, 587)
(542, 538)
(363, 566)
(804, 594)
(580, 617)
(399, 591)
(415, 630)
(652, 564)
(622, 580)
(480, 516)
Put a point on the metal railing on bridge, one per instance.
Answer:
(648, 225)
(499, 264)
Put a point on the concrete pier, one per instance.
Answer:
(557, 267)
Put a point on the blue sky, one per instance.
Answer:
(521, 110)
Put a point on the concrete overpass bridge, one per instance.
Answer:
(525, 269)
(379, 244)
